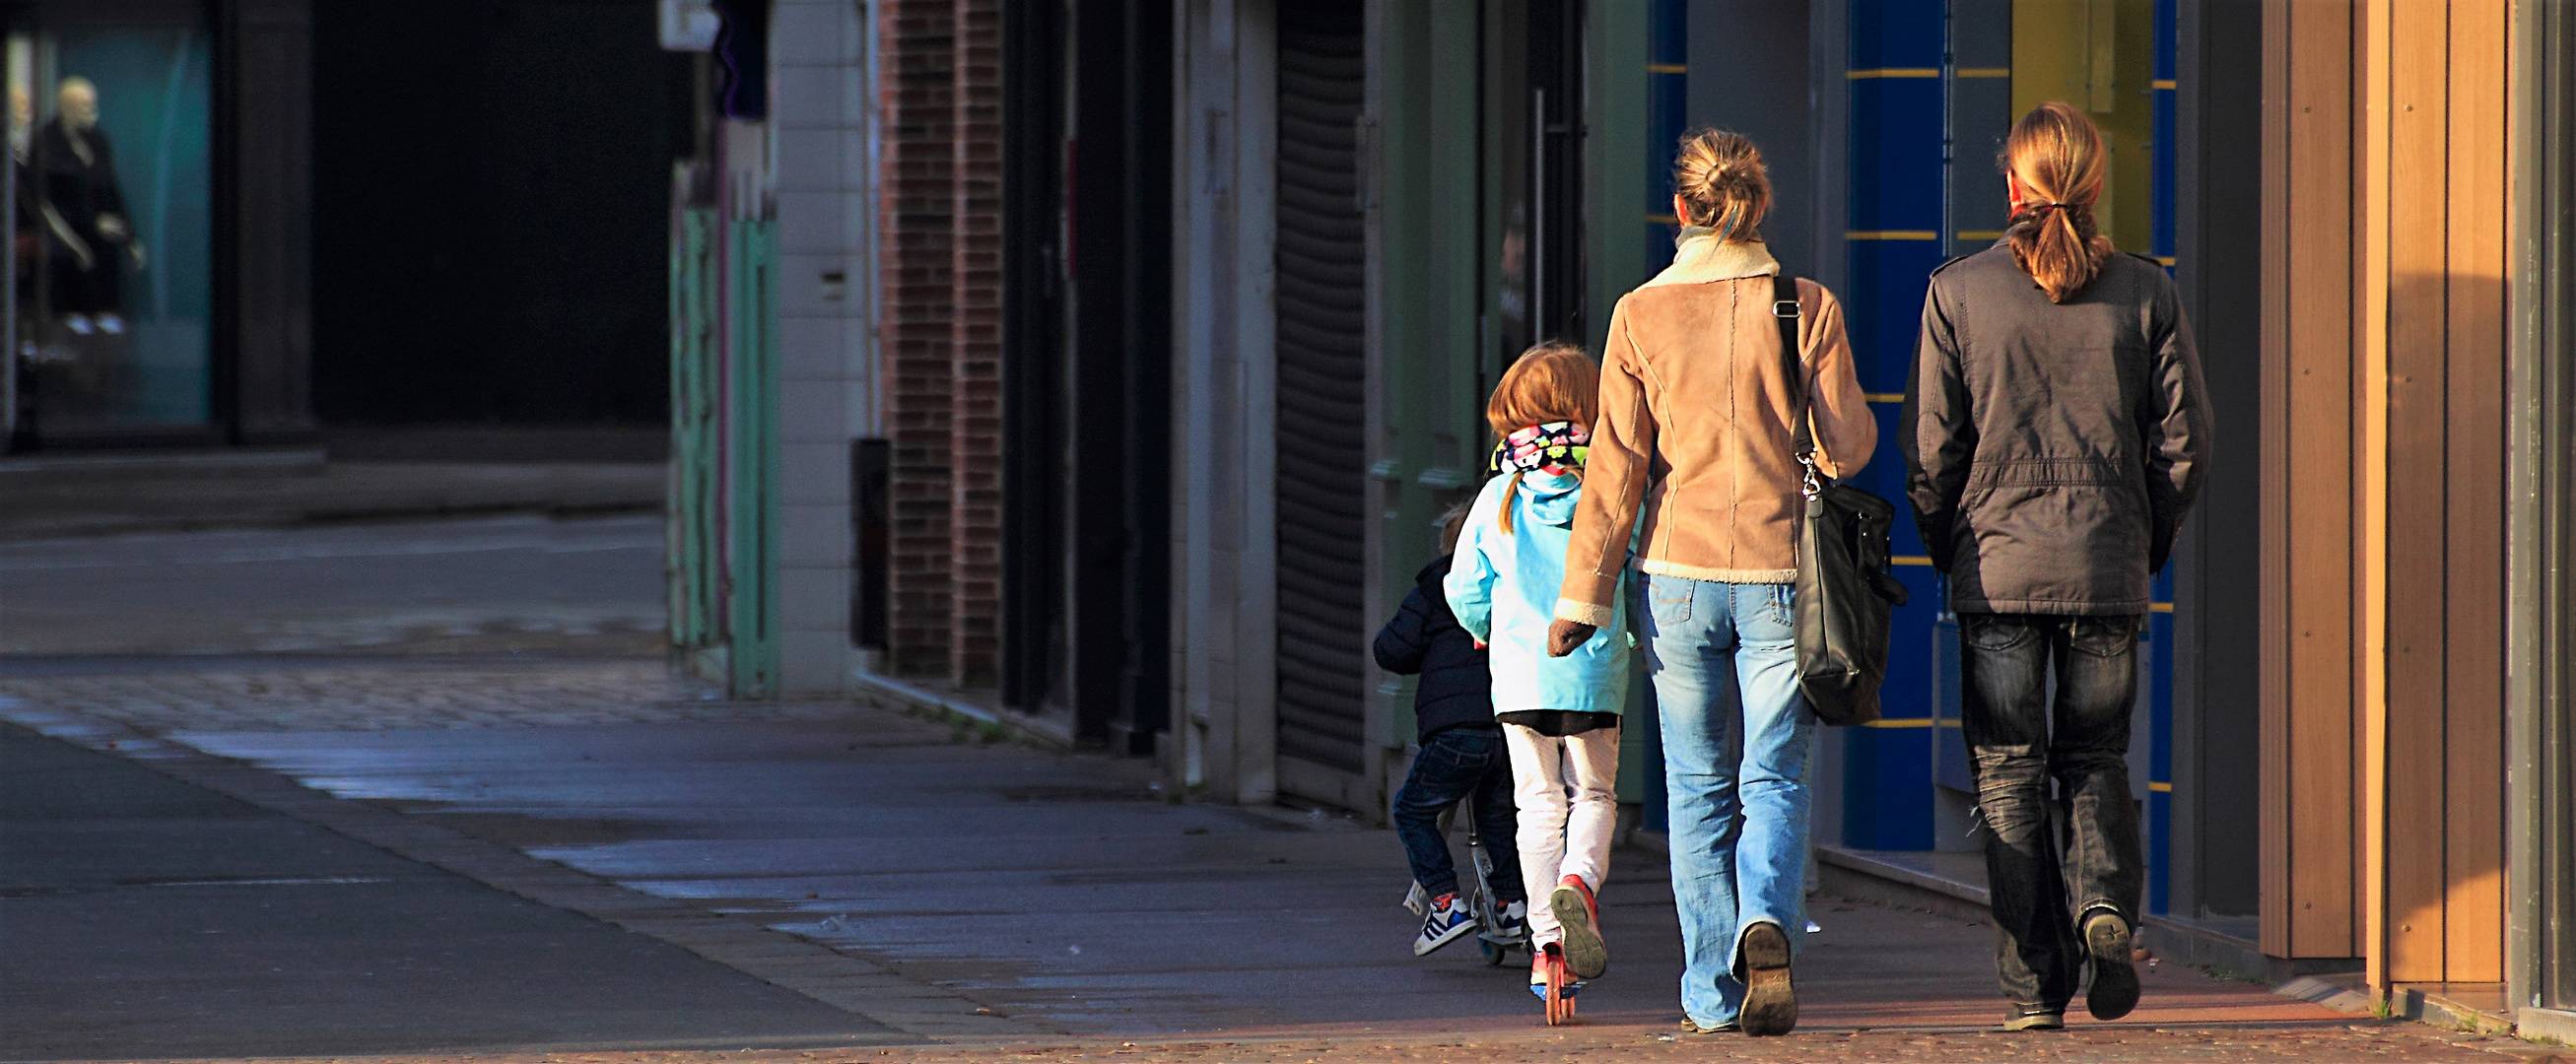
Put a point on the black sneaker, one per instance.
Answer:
(1770, 1005)
(2115, 977)
(2035, 1018)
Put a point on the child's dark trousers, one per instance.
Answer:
(1456, 763)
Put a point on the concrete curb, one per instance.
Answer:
(836, 977)
(2317, 991)
(2553, 1024)
(886, 692)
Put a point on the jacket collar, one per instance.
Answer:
(1698, 257)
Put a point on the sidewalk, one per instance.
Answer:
(973, 893)
(523, 583)
(145, 917)
(93, 495)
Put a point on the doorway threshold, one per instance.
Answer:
(1954, 884)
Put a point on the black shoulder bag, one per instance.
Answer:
(1845, 593)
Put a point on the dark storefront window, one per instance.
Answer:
(110, 287)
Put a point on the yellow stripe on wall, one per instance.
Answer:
(1663, 219)
(1884, 397)
(1984, 72)
(1911, 559)
(2160, 788)
(1900, 722)
(1667, 68)
(1894, 72)
(2164, 83)
(1981, 234)
(2160, 607)
(1892, 234)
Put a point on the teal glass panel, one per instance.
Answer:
(114, 217)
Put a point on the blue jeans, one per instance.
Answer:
(1456, 763)
(1737, 742)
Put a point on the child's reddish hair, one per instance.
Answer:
(1554, 381)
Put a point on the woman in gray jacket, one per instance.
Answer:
(2055, 430)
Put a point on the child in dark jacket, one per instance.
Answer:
(1462, 755)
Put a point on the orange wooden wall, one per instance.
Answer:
(2384, 267)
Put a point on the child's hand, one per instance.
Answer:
(1564, 635)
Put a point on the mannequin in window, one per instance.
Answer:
(84, 215)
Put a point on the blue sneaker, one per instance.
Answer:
(1510, 926)
(1448, 922)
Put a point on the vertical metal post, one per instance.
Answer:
(680, 623)
(2540, 906)
(752, 454)
(694, 566)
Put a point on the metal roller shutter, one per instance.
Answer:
(1322, 442)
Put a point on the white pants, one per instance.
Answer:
(1567, 793)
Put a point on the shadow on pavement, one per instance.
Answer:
(146, 918)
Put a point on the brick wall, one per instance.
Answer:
(975, 421)
(941, 88)
(918, 340)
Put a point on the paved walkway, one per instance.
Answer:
(1028, 904)
(144, 917)
(522, 584)
(96, 495)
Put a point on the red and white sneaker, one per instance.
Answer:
(1585, 954)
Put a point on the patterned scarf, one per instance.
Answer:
(1555, 447)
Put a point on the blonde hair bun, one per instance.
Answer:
(1721, 180)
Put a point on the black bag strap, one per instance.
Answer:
(1784, 308)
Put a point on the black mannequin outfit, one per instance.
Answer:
(86, 270)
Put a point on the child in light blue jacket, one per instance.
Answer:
(1560, 716)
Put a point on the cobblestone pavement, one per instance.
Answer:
(629, 795)
(2359, 1042)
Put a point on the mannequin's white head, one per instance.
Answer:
(79, 102)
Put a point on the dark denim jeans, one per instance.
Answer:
(2020, 744)
(1457, 763)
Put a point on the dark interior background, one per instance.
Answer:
(490, 216)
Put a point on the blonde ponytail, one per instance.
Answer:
(2056, 153)
(1720, 177)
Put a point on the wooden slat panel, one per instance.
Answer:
(2277, 904)
(2370, 477)
(2417, 195)
(2318, 434)
(2473, 808)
